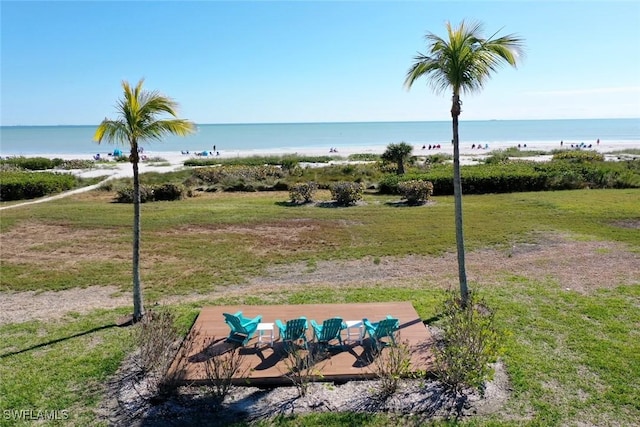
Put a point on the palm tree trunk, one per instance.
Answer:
(138, 308)
(457, 196)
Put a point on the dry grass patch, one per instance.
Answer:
(59, 246)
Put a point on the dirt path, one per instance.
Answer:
(580, 266)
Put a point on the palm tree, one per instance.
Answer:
(397, 153)
(138, 121)
(463, 63)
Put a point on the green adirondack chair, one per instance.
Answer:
(330, 330)
(293, 332)
(384, 328)
(242, 328)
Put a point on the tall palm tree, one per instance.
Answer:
(463, 63)
(139, 120)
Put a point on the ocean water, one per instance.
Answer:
(29, 140)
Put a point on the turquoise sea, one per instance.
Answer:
(29, 140)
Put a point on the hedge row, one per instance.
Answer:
(19, 185)
(525, 176)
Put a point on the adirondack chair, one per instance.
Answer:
(381, 329)
(242, 328)
(329, 331)
(293, 332)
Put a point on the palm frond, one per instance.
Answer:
(465, 61)
(140, 117)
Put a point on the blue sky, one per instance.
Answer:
(257, 62)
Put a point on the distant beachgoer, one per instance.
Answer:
(96, 157)
(217, 153)
(518, 146)
(486, 146)
(214, 148)
(598, 141)
(561, 142)
(473, 146)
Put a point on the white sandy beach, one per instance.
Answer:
(176, 160)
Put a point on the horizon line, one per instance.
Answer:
(343, 122)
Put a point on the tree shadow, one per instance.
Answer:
(58, 340)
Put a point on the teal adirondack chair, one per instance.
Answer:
(242, 328)
(293, 332)
(384, 328)
(330, 330)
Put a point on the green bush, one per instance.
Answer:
(168, 192)
(470, 342)
(151, 193)
(125, 194)
(302, 192)
(32, 163)
(76, 164)
(415, 192)
(19, 185)
(364, 157)
(347, 193)
(579, 156)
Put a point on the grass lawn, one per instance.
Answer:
(572, 355)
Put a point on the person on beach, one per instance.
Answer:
(561, 142)
(598, 141)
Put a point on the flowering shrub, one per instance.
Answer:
(416, 192)
(347, 193)
(302, 192)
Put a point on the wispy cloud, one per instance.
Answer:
(590, 91)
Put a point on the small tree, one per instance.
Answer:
(399, 154)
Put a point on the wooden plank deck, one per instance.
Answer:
(266, 365)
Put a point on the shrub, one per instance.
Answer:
(303, 192)
(289, 163)
(33, 163)
(470, 343)
(125, 194)
(220, 369)
(415, 192)
(392, 365)
(19, 185)
(301, 368)
(579, 156)
(76, 164)
(168, 192)
(156, 335)
(347, 193)
(363, 157)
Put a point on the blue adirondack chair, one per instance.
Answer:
(384, 328)
(293, 332)
(242, 328)
(330, 330)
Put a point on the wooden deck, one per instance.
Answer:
(265, 365)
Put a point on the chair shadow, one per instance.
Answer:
(366, 356)
(216, 348)
(58, 340)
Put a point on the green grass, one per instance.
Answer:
(572, 358)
